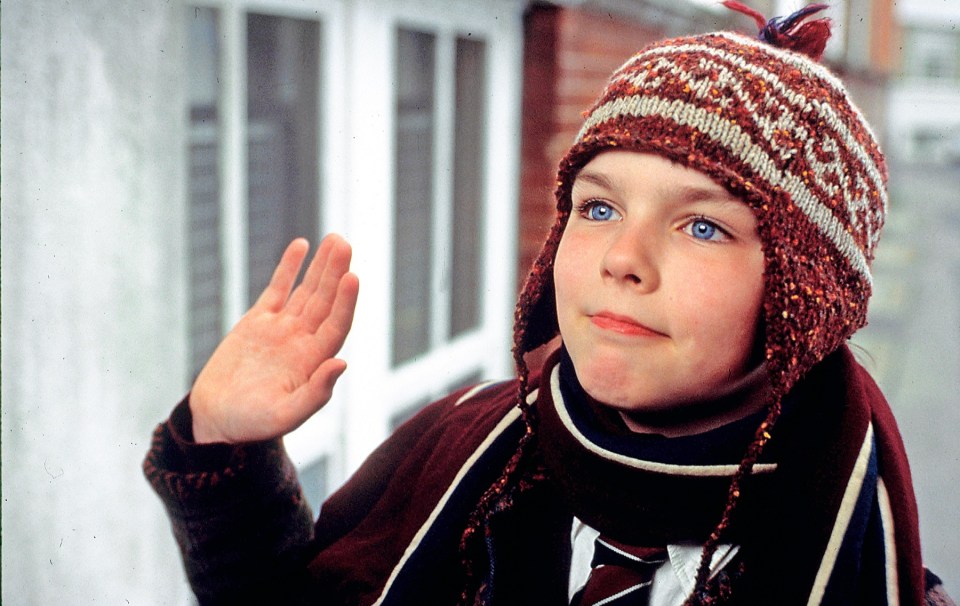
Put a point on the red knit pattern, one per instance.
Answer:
(815, 294)
(781, 133)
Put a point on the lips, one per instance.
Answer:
(623, 325)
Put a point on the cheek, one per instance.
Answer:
(744, 309)
(723, 305)
(566, 270)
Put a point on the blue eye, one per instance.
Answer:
(599, 211)
(702, 229)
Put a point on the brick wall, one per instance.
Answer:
(568, 56)
(885, 38)
(538, 167)
(569, 53)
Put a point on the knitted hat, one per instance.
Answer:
(779, 131)
(763, 119)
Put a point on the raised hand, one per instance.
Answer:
(277, 367)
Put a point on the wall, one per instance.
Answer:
(569, 54)
(92, 264)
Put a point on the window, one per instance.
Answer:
(413, 258)
(932, 54)
(375, 120)
(314, 480)
(206, 270)
(468, 192)
(280, 131)
(439, 197)
(282, 140)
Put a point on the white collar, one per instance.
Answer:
(670, 582)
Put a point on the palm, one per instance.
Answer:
(276, 367)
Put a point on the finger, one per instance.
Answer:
(277, 291)
(336, 326)
(312, 277)
(315, 393)
(322, 299)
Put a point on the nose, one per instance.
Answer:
(631, 258)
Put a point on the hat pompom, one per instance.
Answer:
(791, 32)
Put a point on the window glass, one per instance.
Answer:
(468, 211)
(282, 131)
(932, 54)
(282, 76)
(203, 198)
(413, 210)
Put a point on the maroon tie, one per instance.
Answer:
(621, 575)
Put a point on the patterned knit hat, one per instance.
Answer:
(779, 131)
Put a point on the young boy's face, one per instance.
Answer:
(659, 283)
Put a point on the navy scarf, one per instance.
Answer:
(827, 517)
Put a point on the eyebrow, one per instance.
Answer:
(598, 179)
(686, 194)
(690, 194)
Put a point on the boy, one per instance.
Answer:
(702, 436)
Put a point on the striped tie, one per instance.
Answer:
(621, 575)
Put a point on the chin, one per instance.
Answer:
(618, 393)
(624, 392)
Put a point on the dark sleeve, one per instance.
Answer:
(237, 511)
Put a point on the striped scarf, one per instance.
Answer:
(827, 517)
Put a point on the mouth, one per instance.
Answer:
(623, 325)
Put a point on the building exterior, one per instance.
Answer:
(157, 157)
(922, 108)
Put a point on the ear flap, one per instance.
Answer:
(535, 318)
(542, 320)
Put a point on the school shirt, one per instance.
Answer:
(674, 580)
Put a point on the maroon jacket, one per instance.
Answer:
(245, 531)
(391, 534)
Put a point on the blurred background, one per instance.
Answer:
(157, 157)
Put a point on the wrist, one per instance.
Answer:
(203, 432)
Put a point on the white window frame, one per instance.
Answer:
(382, 391)
(324, 436)
(357, 111)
